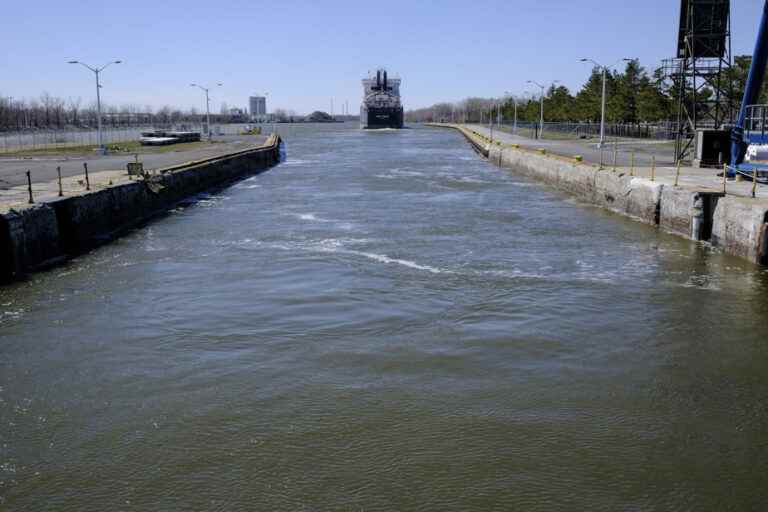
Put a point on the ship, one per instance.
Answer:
(381, 107)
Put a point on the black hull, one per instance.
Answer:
(384, 118)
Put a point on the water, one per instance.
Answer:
(386, 322)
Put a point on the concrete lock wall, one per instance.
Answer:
(737, 225)
(49, 233)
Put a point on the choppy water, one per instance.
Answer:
(387, 322)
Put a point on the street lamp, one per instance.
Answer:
(490, 119)
(604, 71)
(96, 72)
(541, 101)
(514, 100)
(207, 106)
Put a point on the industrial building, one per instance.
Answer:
(258, 108)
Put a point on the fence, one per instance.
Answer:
(26, 140)
(665, 131)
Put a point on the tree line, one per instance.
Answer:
(634, 96)
(50, 112)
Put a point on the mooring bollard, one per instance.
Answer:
(677, 174)
(29, 187)
(653, 168)
(632, 165)
(754, 182)
(58, 171)
(87, 181)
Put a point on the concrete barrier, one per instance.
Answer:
(49, 233)
(635, 197)
(738, 225)
(30, 240)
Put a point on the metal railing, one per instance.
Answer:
(755, 127)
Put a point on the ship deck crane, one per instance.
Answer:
(751, 130)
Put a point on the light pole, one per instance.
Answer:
(207, 106)
(514, 100)
(604, 72)
(541, 102)
(490, 120)
(97, 71)
(541, 107)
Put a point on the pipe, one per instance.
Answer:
(752, 90)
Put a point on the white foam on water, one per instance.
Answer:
(337, 246)
(400, 172)
(466, 179)
(595, 277)
(383, 258)
(311, 217)
(297, 161)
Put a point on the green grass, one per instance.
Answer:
(129, 147)
(548, 135)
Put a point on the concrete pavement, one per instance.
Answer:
(43, 168)
(706, 180)
(644, 149)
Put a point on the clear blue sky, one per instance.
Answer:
(305, 52)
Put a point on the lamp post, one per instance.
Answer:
(541, 108)
(514, 101)
(207, 106)
(490, 120)
(603, 71)
(97, 71)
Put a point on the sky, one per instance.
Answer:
(305, 53)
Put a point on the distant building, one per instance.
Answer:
(238, 115)
(258, 107)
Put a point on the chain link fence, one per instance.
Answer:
(663, 131)
(26, 140)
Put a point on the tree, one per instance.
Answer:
(588, 100)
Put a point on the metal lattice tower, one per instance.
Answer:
(700, 73)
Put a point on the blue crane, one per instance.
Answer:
(750, 127)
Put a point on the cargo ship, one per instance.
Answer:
(381, 107)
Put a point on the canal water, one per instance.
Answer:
(385, 321)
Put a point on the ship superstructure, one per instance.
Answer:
(381, 107)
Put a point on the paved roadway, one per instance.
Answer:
(43, 169)
(644, 149)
